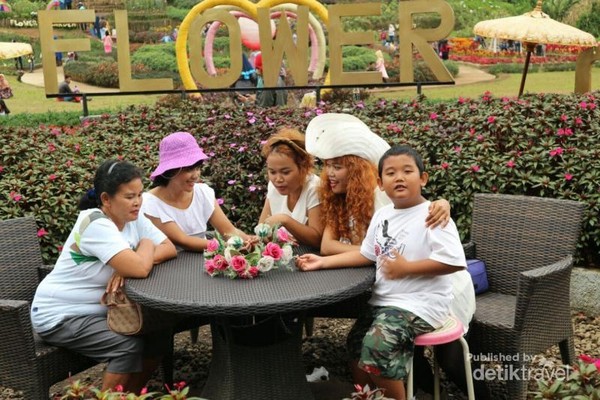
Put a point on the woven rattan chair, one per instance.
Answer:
(527, 244)
(26, 362)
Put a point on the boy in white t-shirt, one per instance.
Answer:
(413, 289)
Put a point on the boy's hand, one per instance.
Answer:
(393, 267)
(309, 262)
(439, 214)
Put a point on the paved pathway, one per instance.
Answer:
(36, 78)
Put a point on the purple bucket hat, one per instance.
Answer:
(178, 150)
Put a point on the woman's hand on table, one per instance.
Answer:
(309, 262)
(280, 219)
(439, 214)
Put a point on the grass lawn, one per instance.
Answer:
(32, 99)
(505, 85)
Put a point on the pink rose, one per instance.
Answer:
(220, 262)
(273, 250)
(253, 271)
(283, 235)
(238, 263)
(212, 245)
(209, 267)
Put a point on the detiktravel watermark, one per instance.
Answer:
(519, 366)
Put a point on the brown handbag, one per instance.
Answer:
(124, 316)
(127, 317)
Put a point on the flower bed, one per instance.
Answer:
(540, 145)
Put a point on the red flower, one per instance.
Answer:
(41, 232)
(510, 164)
(568, 176)
(491, 119)
(556, 152)
(475, 168)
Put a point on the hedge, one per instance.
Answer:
(539, 145)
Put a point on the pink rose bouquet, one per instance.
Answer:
(235, 259)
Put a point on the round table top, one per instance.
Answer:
(180, 285)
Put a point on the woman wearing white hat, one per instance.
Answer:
(178, 204)
(348, 192)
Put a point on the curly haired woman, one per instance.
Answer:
(349, 193)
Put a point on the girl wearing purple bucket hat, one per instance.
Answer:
(178, 204)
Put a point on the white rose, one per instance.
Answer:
(262, 230)
(265, 264)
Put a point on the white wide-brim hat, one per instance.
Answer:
(333, 135)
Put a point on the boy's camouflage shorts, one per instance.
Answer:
(383, 341)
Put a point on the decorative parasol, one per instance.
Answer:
(531, 29)
(4, 6)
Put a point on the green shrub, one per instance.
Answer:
(177, 14)
(539, 145)
(158, 57)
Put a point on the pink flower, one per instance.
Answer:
(433, 116)
(475, 168)
(220, 201)
(209, 266)
(1, 168)
(578, 121)
(251, 120)
(144, 390)
(212, 245)
(480, 138)
(273, 250)
(583, 104)
(51, 147)
(283, 235)
(568, 176)
(457, 149)
(238, 263)
(563, 117)
(42, 232)
(252, 188)
(231, 182)
(510, 164)
(52, 177)
(445, 165)
(220, 262)
(253, 271)
(15, 196)
(556, 152)
(461, 100)
(119, 388)
(55, 131)
(491, 119)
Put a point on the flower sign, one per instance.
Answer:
(235, 259)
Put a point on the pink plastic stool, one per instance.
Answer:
(449, 332)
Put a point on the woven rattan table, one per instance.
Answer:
(256, 324)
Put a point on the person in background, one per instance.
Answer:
(292, 200)
(110, 240)
(83, 26)
(18, 60)
(4, 108)
(247, 79)
(268, 98)
(178, 204)
(108, 42)
(380, 65)
(5, 89)
(65, 88)
(412, 292)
